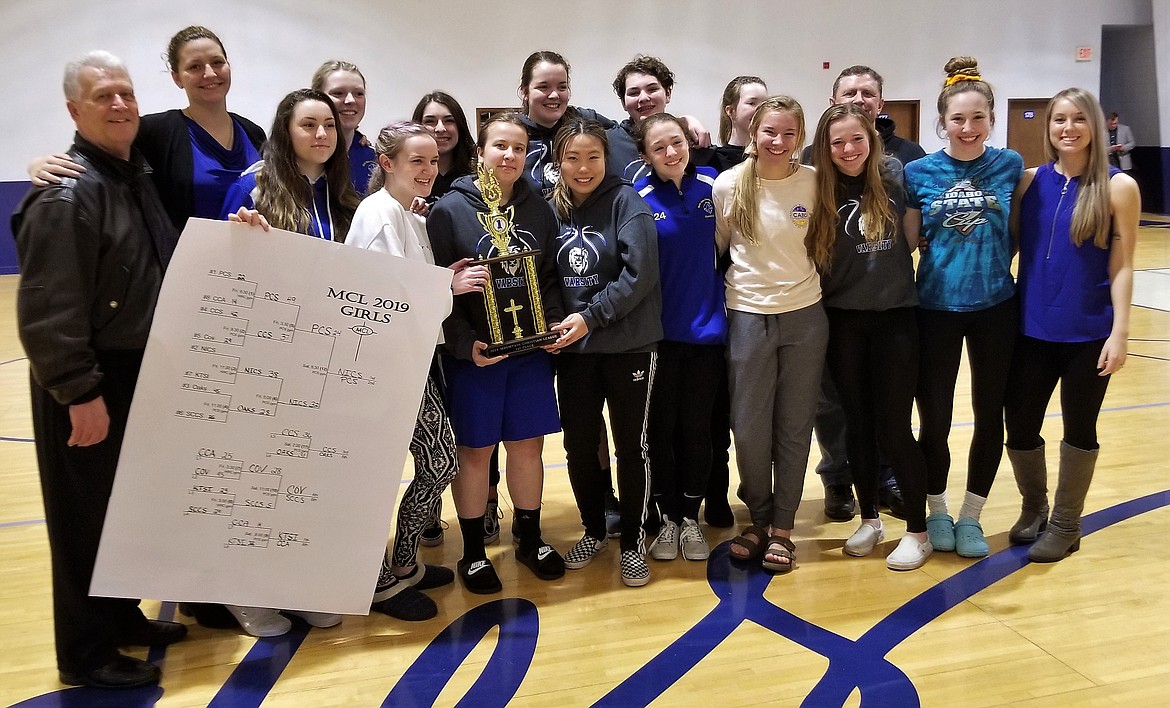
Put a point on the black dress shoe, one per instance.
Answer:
(121, 672)
(155, 633)
(840, 505)
(890, 497)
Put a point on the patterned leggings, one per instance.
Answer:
(435, 465)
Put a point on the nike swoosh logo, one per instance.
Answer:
(544, 552)
(476, 567)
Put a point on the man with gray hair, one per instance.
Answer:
(92, 252)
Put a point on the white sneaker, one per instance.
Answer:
(317, 619)
(910, 553)
(863, 540)
(665, 547)
(694, 545)
(260, 621)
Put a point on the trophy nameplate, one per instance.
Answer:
(511, 298)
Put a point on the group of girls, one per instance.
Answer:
(819, 267)
(969, 207)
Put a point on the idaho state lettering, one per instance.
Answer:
(963, 206)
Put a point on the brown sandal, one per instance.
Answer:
(754, 543)
(781, 547)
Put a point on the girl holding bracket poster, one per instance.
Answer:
(408, 160)
(301, 185)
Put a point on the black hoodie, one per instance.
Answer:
(607, 257)
(901, 148)
(539, 166)
(455, 233)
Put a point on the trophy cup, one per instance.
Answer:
(511, 294)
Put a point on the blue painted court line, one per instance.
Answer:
(853, 665)
(859, 664)
(29, 522)
(519, 628)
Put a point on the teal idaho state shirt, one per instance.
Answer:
(966, 208)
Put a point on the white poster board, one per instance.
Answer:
(271, 422)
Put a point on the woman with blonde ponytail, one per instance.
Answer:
(777, 331)
(1077, 229)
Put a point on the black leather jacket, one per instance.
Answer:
(92, 254)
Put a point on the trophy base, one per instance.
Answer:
(522, 345)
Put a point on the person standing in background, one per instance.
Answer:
(1121, 144)
(344, 83)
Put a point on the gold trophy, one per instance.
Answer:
(512, 287)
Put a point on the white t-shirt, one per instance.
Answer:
(382, 224)
(775, 275)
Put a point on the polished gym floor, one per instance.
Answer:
(1090, 630)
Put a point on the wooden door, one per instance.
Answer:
(1025, 131)
(906, 117)
(482, 115)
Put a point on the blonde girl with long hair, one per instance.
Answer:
(777, 331)
(1077, 229)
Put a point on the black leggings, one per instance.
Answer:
(686, 381)
(1037, 367)
(873, 357)
(990, 335)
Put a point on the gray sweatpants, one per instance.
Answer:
(774, 369)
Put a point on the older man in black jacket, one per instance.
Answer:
(92, 255)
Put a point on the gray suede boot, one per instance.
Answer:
(1064, 528)
(1032, 481)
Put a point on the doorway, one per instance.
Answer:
(483, 115)
(906, 117)
(1025, 133)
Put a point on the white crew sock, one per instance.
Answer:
(937, 503)
(972, 506)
